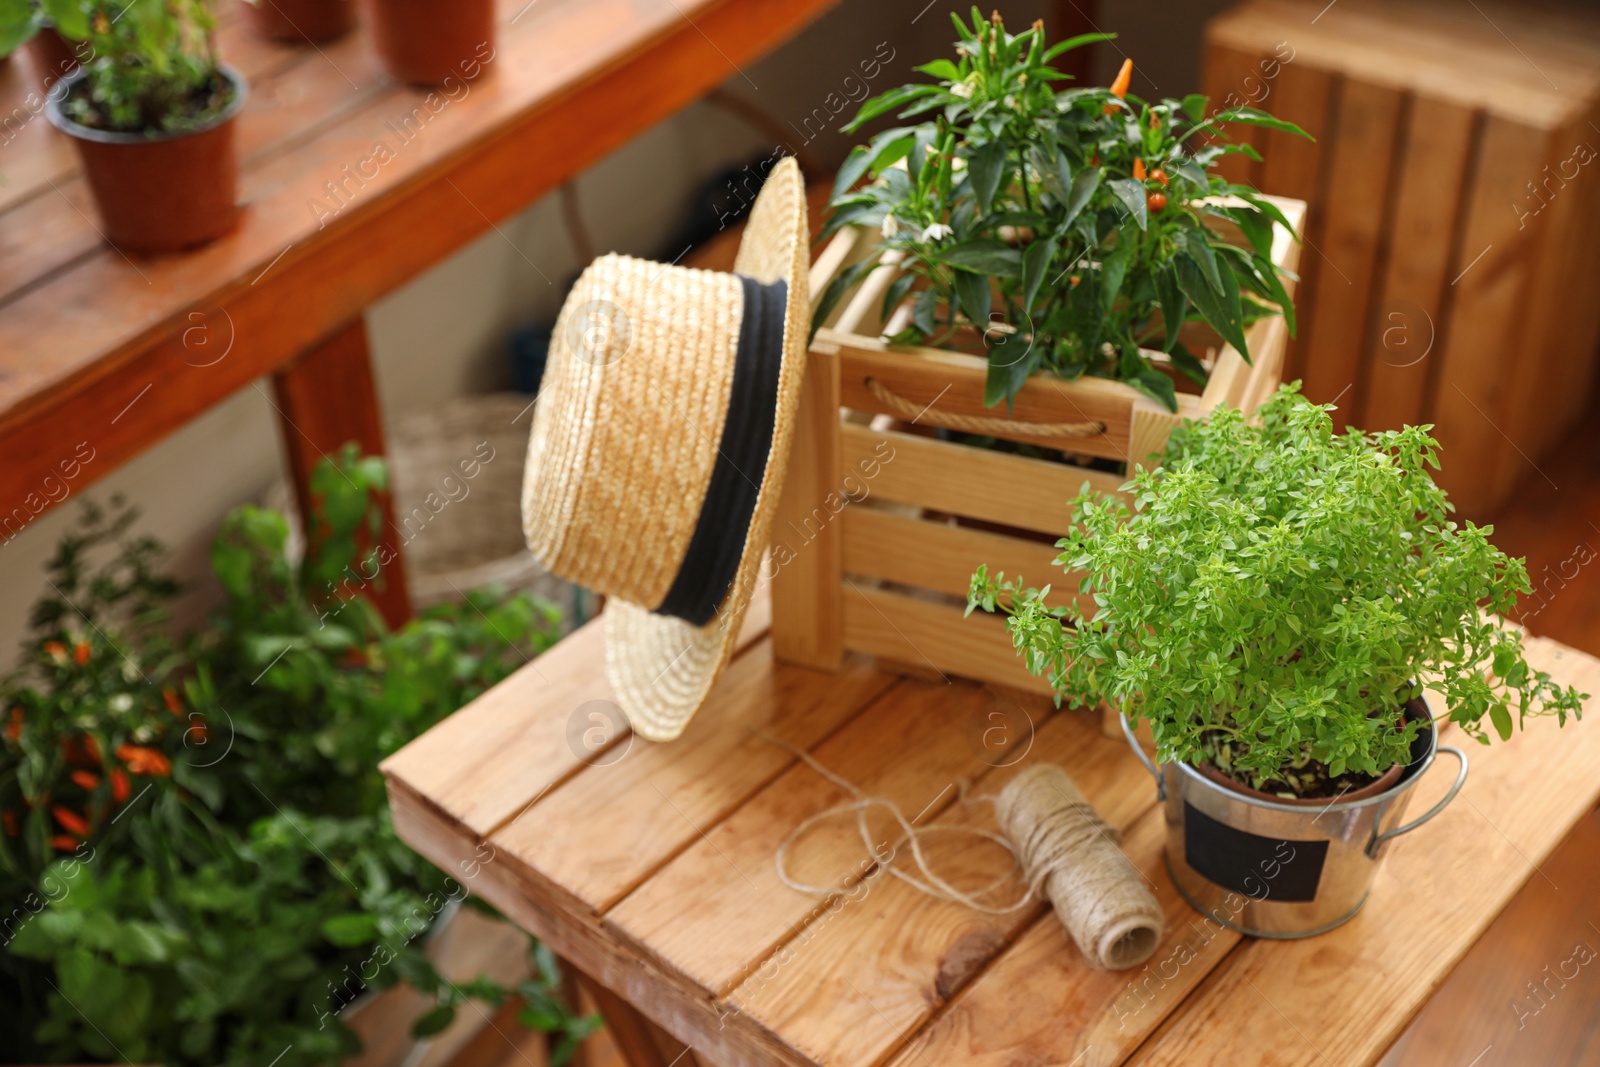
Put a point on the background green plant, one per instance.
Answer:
(1067, 227)
(1270, 601)
(151, 65)
(231, 898)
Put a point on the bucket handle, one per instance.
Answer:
(1155, 772)
(1461, 777)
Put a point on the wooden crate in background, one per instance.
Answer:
(882, 524)
(1452, 267)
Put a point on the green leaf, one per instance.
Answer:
(1035, 261)
(1501, 717)
(1197, 244)
(1174, 305)
(1084, 187)
(1250, 116)
(897, 292)
(1194, 105)
(351, 929)
(1158, 386)
(71, 17)
(986, 255)
(18, 24)
(972, 293)
(1133, 196)
(942, 69)
(1216, 309)
(1071, 43)
(1008, 372)
(1113, 268)
(922, 314)
(987, 167)
(434, 1021)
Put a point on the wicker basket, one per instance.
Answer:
(852, 574)
(471, 536)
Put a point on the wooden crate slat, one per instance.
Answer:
(952, 383)
(1228, 70)
(906, 630)
(977, 483)
(607, 828)
(936, 555)
(848, 990)
(716, 912)
(1362, 146)
(1436, 892)
(487, 762)
(1039, 1002)
(1410, 312)
(1482, 345)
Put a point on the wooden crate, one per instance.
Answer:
(881, 524)
(1453, 240)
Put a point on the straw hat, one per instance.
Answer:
(658, 450)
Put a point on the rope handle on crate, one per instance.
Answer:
(979, 424)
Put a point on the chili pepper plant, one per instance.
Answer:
(197, 864)
(1066, 227)
(1274, 598)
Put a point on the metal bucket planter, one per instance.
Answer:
(1271, 869)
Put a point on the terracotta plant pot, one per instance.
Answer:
(428, 42)
(301, 21)
(160, 192)
(51, 57)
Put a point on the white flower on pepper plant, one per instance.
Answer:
(935, 233)
(891, 226)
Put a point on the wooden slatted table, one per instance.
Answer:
(650, 866)
(102, 355)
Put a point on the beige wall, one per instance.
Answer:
(444, 334)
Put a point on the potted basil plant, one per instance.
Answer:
(1270, 607)
(1082, 223)
(152, 116)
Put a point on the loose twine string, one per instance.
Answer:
(1066, 851)
(979, 424)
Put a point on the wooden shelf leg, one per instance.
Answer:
(640, 1042)
(326, 398)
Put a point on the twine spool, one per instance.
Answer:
(1067, 849)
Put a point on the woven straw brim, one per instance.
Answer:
(662, 668)
(627, 432)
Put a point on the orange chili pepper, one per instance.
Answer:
(1156, 201)
(1155, 119)
(9, 818)
(1138, 170)
(89, 780)
(80, 653)
(14, 727)
(55, 650)
(1119, 86)
(1159, 175)
(174, 705)
(119, 786)
(70, 820)
(144, 761)
(1075, 279)
(63, 843)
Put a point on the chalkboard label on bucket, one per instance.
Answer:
(1262, 868)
